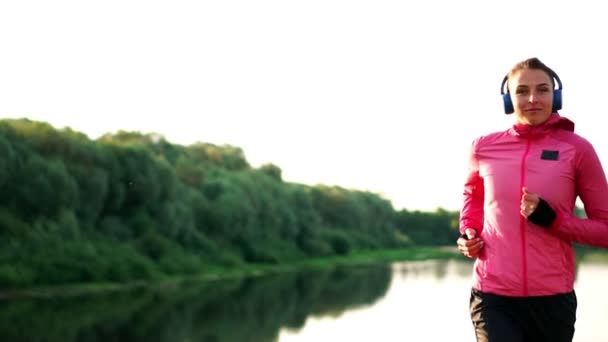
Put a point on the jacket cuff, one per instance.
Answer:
(543, 215)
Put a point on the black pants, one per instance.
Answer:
(523, 319)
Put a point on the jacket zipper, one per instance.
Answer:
(522, 221)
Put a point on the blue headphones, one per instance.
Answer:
(557, 94)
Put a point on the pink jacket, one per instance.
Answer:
(520, 258)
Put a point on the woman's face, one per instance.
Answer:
(532, 96)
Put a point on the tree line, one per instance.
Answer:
(129, 206)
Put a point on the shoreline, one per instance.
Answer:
(246, 270)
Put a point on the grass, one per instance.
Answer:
(216, 272)
(594, 256)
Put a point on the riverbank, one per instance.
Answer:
(216, 272)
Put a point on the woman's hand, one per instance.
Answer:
(471, 245)
(529, 202)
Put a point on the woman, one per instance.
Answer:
(517, 217)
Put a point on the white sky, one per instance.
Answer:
(384, 96)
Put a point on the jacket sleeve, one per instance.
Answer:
(592, 188)
(471, 213)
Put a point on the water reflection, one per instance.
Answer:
(419, 301)
(250, 309)
(437, 269)
(426, 301)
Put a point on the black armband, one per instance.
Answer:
(543, 215)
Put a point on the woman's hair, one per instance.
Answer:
(533, 63)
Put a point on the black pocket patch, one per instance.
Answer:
(549, 155)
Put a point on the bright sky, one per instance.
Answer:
(383, 96)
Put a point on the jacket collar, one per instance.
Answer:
(554, 122)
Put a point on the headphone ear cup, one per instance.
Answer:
(557, 100)
(506, 99)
